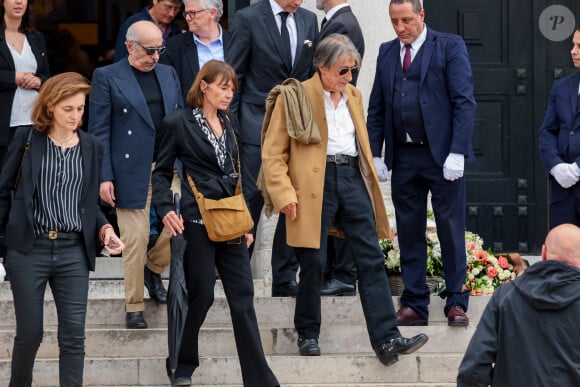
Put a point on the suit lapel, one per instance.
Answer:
(573, 90)
(272, 28)
(130, 88)
(167, 86)
(87, 157)
(191, 53)
(427, 53)
(393, 57)
(300, 34)
(37, 151)
(5, 51)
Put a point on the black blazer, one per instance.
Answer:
(183, 138)
(181, 53)
(257, 57)
(16, 220)
(344, 22)
(7, 73)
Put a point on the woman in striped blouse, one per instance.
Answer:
(49, 215)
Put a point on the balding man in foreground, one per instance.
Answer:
(528, 334)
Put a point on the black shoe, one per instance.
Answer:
(336, 287)
(308, 347)
(388, 351)
(286, 289)
(182, 381)
(155, 287)
(135, 320)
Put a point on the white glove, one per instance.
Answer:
(2, 273)
(566, 174)
(382, 170)
(453, 166)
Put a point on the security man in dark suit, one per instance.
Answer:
(560, 146)
(272, 40)
(423, 109)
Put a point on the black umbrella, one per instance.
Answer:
(176, 296)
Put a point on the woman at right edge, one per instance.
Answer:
(203, 137)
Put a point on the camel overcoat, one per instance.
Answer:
(294, 172)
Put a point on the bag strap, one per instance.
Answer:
(26, 150)
(198, 194)
(238, 185)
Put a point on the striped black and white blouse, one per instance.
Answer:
(59, 190)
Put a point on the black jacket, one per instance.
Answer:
(344, 22)
(16, 220)
(182, 138)
(181, 54)
(528, 334)
(7, 73)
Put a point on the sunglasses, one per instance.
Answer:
(152, 50)
(343, 70)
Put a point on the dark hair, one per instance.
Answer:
(578, 29)
(213, 70)
(54, 90)
(417, 7)
(25, 24)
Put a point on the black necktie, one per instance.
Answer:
(286, 41)
(323, 23)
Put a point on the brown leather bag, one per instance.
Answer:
(225, 219)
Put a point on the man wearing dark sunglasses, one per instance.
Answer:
(160, 12)
(128, 102)
(340, 272)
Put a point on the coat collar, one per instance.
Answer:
(130, 88)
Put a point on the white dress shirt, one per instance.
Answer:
(341, 131)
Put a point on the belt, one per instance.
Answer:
(342, 159)
(61, 235)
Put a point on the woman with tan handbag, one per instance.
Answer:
(203, 136)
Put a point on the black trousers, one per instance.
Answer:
(62, 263)
(347, 201)
(232, 261)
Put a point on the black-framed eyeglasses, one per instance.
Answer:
(152, 50)
(343, 70)
(192, 14)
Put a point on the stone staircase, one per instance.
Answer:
(119, 357)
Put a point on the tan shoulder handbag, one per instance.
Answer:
(224, 219)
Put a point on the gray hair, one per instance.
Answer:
(133, 33)
(331, 48)
(218, 5)
(417, 7)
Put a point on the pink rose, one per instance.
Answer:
(503, 262)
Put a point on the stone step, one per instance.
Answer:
(115, 289)
(272, 312)
(419, 369)
(112, 267)
(120, 342)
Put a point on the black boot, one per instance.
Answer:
(155, 286)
